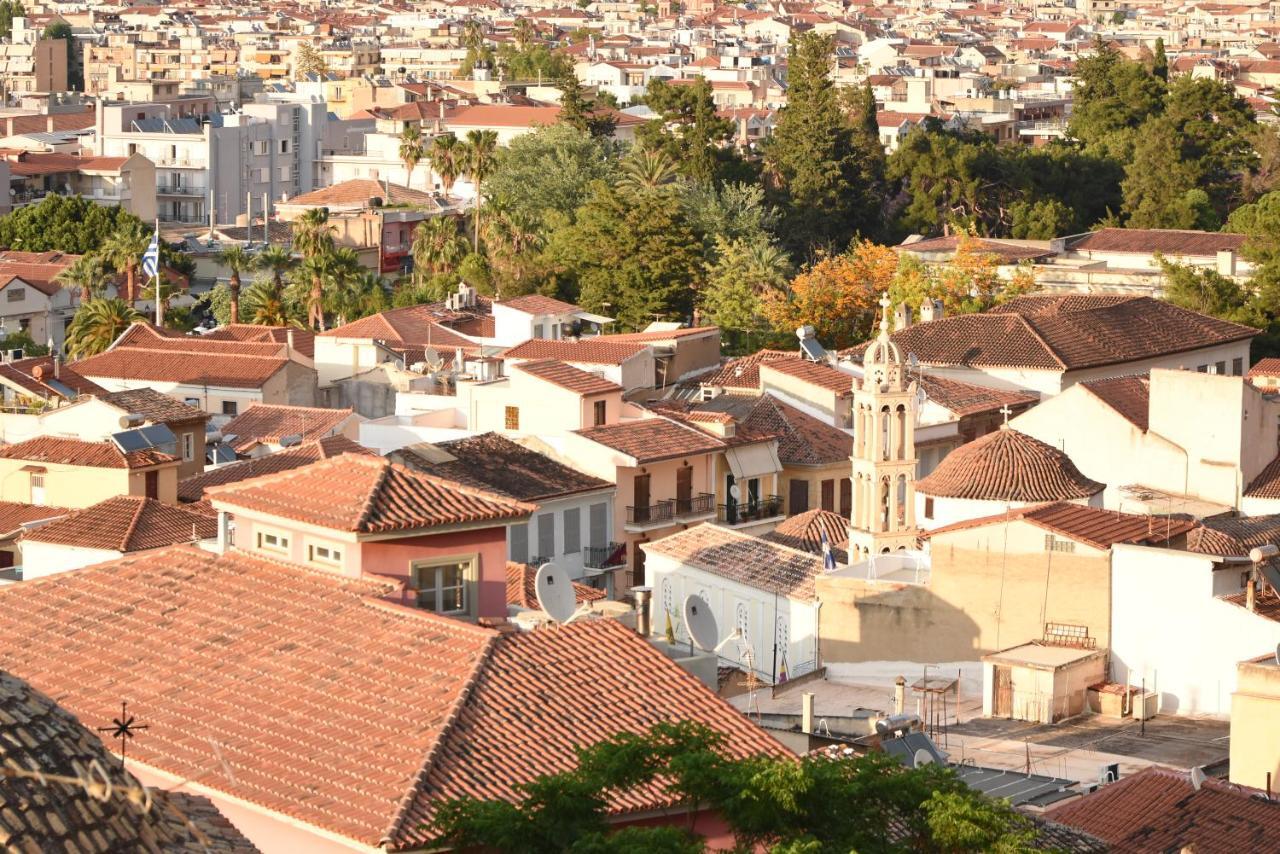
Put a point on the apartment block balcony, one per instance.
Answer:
(598, 559)
(181, 190)
(750, 512)
(672, 510)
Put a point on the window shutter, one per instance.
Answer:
(599, 534)
(519, 541)
(547, 535)
(572, 531)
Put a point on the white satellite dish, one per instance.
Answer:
(922, 757)
(555, 592)
(734, 492)
(1278, 653)
(1197, 778)
(700, 622)
(432, 358)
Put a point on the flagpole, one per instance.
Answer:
(155, 279)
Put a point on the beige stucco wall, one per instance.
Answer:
(694, 354)
(81, 486)
(833, 407)
(990, 588)
(1255, 738)
(812, 476)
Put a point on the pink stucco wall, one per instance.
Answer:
(489, 545)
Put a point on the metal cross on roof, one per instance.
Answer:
(1006, 412)
(123, 728)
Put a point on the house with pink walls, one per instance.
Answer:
(362, 516)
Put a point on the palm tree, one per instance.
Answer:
(412, 151)
(445, 158)
(237, 260)
(97, 324)
(509, 236)
(266, 306)
(437, 246)
(308, 280)
(523, 33)
(275, 262)
(770, 266)
(472, 35)
(88, 274)
(647, 169)
(123, 251)
(478, 156)
(357, 293)
(312, 234)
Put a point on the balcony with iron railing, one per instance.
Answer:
(670, 511)
(750, 512)
(596, 559)
(538, 560)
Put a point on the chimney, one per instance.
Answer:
(48, 124)
(930, 310)
(642, 595)
(57, 365)
(806, 712)
(899, 695)
(288, 343)
(901, 317)
(1251, 595)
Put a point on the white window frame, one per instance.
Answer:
(324, 554)
(282, 545)
(188, 447)
(470, 564)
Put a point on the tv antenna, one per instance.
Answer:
(123, 728)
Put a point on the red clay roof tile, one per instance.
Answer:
(589, 351)
(126, 523)
(264, 423)
(74, 452)
(568, 377)
(653, 439)
(522, 593)
(193, 488)
(1006, 465)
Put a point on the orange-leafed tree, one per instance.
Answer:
(837, 295)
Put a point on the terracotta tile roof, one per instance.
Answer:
(659, 336)
(754, 561)
(273, 663)
(36, 733)
(1234, 536)
(1092, 526)
(568, 377)
(155, 407)
(359, 191)
(539, 304)
(74, 452)
(963, 398)
(418, 325)
(126, 523)
(589, 351)
(1128, 396)
(813, 373)
(193, 488)
(495, 463)
(1169, 242)
(1265, 604)
(1158, 809)
(804, 532)
(802, 439)
(744, 372)
(38, 269)
(588, 680)
(1268, 367)
(1006, 465)
(1061, 333)
(142, 353)
(366, 494)
(1267, 483)
(521, 591)
(1009, 253)
(264, 423)
(14, 515)
(279, 666)
(303, 339)
(649, 440)
(36, 376)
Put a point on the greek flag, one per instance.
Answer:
(828, 559)
(151, 258)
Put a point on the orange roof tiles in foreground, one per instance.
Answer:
(126, 523)
(192, 489)
(1008, 465)
(330, 705)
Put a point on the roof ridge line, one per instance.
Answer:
(437, 746)
(1035, 333)
(133, 523)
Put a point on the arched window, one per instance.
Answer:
(885, 433)
(742, 620)
(902, 500)
(902, 432)
(884, 503)
(668, 601)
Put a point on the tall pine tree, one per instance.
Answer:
(812, 159)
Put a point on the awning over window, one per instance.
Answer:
(756, 460)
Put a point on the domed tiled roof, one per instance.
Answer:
(1008, 466)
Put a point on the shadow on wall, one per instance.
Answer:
(876, 621)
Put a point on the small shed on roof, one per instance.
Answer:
(1041, 681)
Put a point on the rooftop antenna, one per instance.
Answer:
(554, 593)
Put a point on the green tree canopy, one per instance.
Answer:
(71, 224)
(816, 803)
(1112, 98)
(687, 128)
(549, 170)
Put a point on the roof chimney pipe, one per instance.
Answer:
(642, 595)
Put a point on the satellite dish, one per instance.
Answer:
(700, 622)
(1197, 777)
(1278, 653)
(1262, 553)
(554, 592)
(922, 757)
(734, 492)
